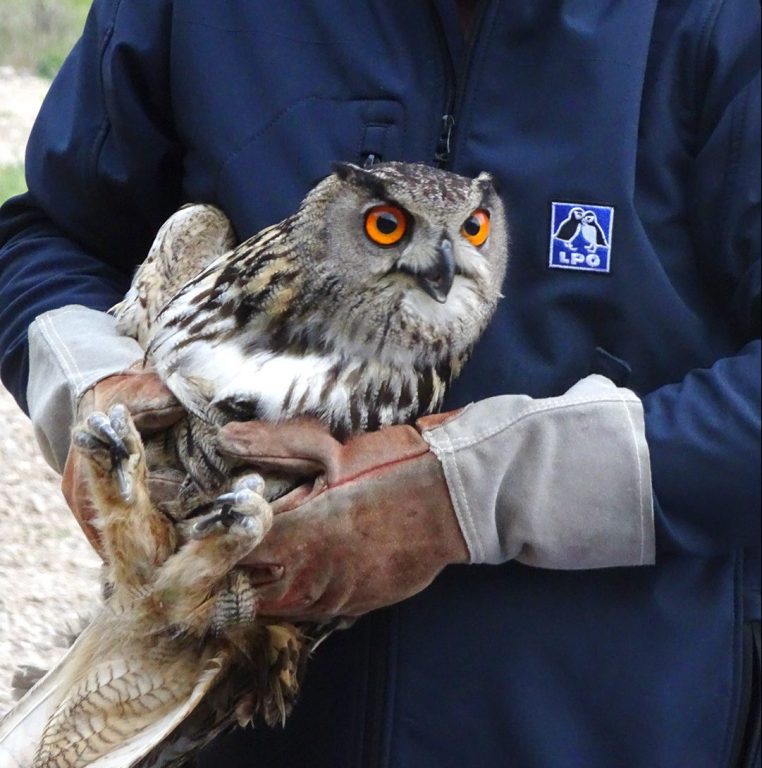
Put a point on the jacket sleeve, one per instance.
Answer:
(704, 431)
(103, 171)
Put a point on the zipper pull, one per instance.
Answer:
(442, 155)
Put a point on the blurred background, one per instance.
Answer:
(35, 37)
(48, 573)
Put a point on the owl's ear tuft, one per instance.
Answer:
(487, 183)
(360, 177)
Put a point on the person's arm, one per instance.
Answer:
(103, 170)
(558, 482)
(704, 436)
(703, 432)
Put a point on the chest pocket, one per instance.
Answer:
(265, 179)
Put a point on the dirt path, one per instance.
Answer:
(48, 573)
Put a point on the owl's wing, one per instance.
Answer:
(188, 242)
(22, 727)
(113, 720)
(153, 745)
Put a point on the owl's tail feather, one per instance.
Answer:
(288, 652)
(289, 649)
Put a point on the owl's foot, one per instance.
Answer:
(109, 440)
(193, 586)
(243, 506)
(136, 536)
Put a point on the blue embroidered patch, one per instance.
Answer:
(580, 237)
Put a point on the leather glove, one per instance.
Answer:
(375, 527)
(153, 408)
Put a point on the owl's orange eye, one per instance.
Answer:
(476, 227)
(385, 224)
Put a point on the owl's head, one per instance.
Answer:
(410, 259)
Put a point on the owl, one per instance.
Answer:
(357, 310)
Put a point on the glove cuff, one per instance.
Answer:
(556, 483)
(70, 349)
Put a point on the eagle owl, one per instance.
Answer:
(357, 310)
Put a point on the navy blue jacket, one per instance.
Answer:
(649, 107)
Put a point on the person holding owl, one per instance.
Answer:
(580, 529)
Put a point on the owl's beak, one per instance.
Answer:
(437, 279)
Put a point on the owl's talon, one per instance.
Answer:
(225, 518)
(124, 481)
(103, 426)
(242, 508)
(107, 439)
(254, 482)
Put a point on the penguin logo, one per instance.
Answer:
(591, 230)
(569, 228)
(580, 237)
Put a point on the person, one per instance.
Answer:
(587, 583)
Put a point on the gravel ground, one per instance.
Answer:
(20, 99)
(48, 572)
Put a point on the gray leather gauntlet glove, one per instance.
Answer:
(374, 528)
(557, 483)
(560, 482)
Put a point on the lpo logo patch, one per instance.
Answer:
(580, 237)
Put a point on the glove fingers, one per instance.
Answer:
(371, 451)
(80, 502)
(151, 404)
(302, 446)
(297, 497)
(149, 422)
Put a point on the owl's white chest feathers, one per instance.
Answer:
(221, 382)
(208, 374)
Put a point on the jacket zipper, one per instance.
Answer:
(444, 142)
(455, 83)
(379, 624)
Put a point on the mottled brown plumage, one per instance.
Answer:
(312, 317)
(357, 310)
